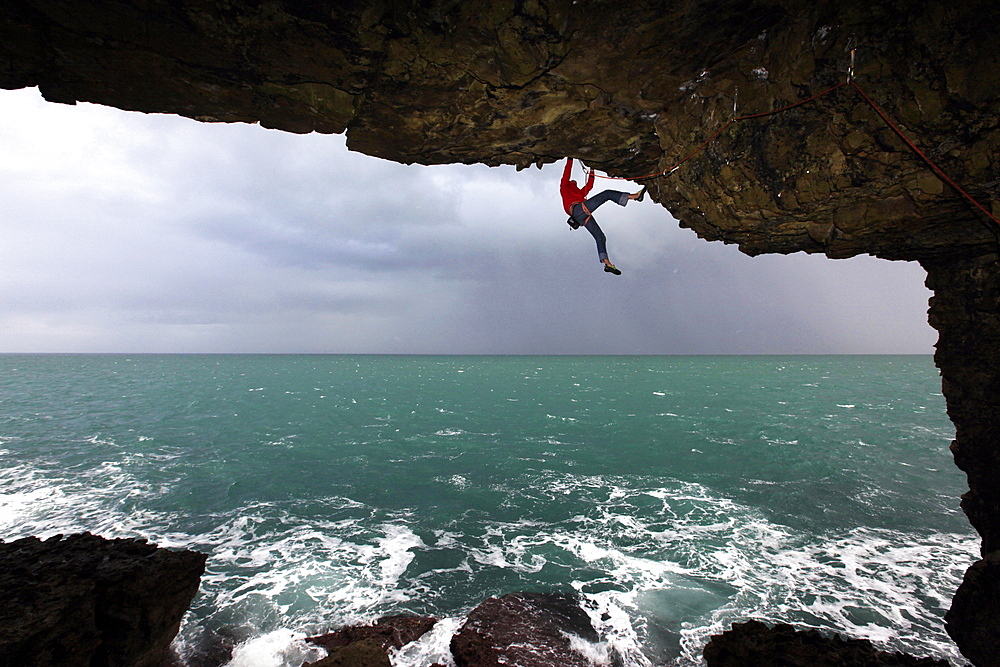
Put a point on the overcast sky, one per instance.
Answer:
(125, 232)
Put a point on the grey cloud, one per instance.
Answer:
(125, 232)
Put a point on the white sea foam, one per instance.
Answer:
(45, 505)
(433, 647)
(596, 653)
(16, 508)
(509, 547)
(611, 614)
(309, 575)
(702, 562)
(281, 648)
(695, 561)
(394, 553)
(459, 481)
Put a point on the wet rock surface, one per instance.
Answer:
(368, 645)
(525, 629)
(754, 644)
(84, 600)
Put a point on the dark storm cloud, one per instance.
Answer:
(125, 232)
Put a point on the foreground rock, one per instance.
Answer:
(524, 629)
(548, 630)
(974, 619)
(368, 645)
(84, 600)
(753, 644)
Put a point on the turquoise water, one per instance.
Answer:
(675, 494)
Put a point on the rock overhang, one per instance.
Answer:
(630, 88)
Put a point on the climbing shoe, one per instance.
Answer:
(642, 193)
(611, 268)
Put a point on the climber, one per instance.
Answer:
(581, 210)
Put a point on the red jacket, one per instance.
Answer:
(570, 191)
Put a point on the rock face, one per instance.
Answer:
(83, 600)
(524, 629)
(753, 644)
(631, 88)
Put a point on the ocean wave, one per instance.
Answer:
(698, 562)
(659, 565)
(455, 515)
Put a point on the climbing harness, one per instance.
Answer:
(572, 219)
(850, 81)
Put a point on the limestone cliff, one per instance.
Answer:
(631, 88)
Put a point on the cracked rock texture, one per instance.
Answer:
(632, 88)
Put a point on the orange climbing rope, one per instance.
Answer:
(937, 170)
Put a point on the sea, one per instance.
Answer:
(675, 495)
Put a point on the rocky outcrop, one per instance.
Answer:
(631, 88)
(524, 629)
(753, 644)
(368, 645)
(83, 600)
